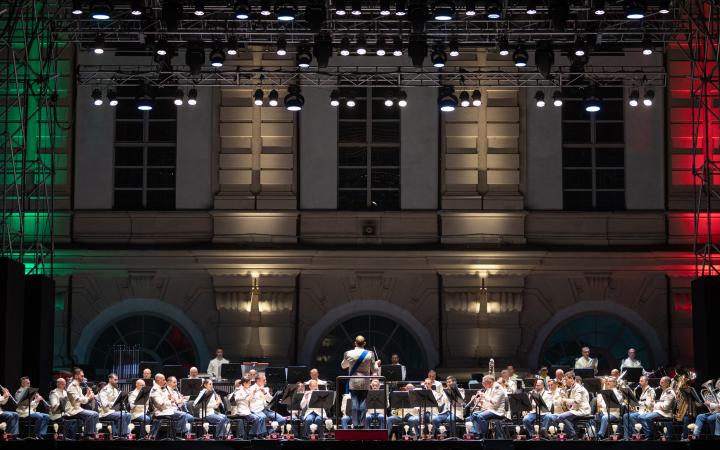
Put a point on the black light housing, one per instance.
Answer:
(443, 10)
(438, 56)
(540, 99)
(242, 10)
(335, 98)
(476, 98)
(112, 97)
(97, 97)
(520, 57)
(281, 46)
(145, 101)
(273, 98)
(322, 48)
(192, 97)
(217, 56)
(417, 49)
(303, 57)
(447, 99)
(634, 98)
(344, 46)
(493, 10)
(464, 99)
(557, 98)
(294, 100)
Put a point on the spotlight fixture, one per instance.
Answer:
(443, 10)
(634, 98)
(350, 101)
(447, 99)
(470, 8)
(335, 98)
(464, 99)
(340, 7)
(355, 7)
(101, 10)
(647, 46)
(649, 97)
(345, 46)
(401, 8)
(540, 99)
(199, 8)
(438, 56)
(192, 97)
(389, 102)
(258, 97)
(232, 48)
(303, 57)
(76, 8)
(242, 10)
(417, 49)
(380, 46)
(634, 10)
(112, 98)
(531, 8)
(97, 97)
(397, 46)
(592, 103)
(557, 98)
(598, 7)
(281, 46)
(294, 100)
(217, 56)
(99, 44)
(664, 7)
(493, 10)
(136, 7)
(520, 57)
(579, 47)
(179, 98)
(503, 46)
(384, 7)
(476, 98)
(265, 8)
(454, 47)
(285, 13)
(402, 99)
(144, 101)
(273, 98)
(162, 47)
(361, 46)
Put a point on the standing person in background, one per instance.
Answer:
(213, 369)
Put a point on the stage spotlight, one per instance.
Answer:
(634, 10)
(580, 47)
(112, 97)
(242, 10)
(99, 45)
(217, 56)
(273, 98)
(144, 101)
(97, 97)
(281, 46)
(344, 46)
(493, 10)
(503, 46)
(195, 57)
(100, 10)
(384, 7)
(454, 47)
(179, 98)
(335, 98)
(664, 7)
(265, 8)
(192, 97)
(470, 8)
(649, 97)
(476, 98)
(389, 102)
(544, 58)
(438, 56)
(634, 98)
(446, 99)
(258, 97)
(540, 99)
(443, 10)
(361, 46)
(380, 46)
(322, 48)
(350, 101)
(402, 100)
(397, 46)
(464, 99)
(401, 7)
(199, 8)
(531, 8)
(76, 7)
(303, 57)
(557, 98)
(162, 47)
(647, 46)
(592, 103)
(315, 14)
(285, 13)
(355, 7)
(598, 7)
(232, 48)
(340, 7)
(417, 49)
(520, 57)
(137, 7)
(294, 100)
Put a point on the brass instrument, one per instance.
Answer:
(684, 406)
(707, 393)
(491, 367)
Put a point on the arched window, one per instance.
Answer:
(385, 335)
(159, 339)
(608, 337)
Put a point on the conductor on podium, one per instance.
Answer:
(359, 361)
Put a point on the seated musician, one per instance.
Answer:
(179, 399)
(315, 375)
(10, 418)
(106, 398)
(577, 402)
(375, 414)
(437, 385)
(76, 398)
(259, 401)
(645, 405)
(532, 416)
(431, 412)
(40, 420)
(240, 407)
(411, 415)
(58, 400)
(605, 414)
(663, 408)
(556, 405)
(138, 410)
(585, 361)
(207, 406)
(193, 373)
(488, 405)
(165, 407)
(449, 411)
(312, 415)
(345, 419)
(712, 418)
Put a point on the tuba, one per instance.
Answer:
(685, 406)
(707, 393)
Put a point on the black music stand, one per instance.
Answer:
(26, 397)
(376, 400)
(519, 403)
(323, 400)
(455, 397)
(392, 372)
(422, 399)
(297, 374)
(611, 402)
(119, 406)
(190, 387)
(276, 375)
(630, 398)
(592, 385)
(539, 405)
(144, 396)
(231, 371)
(584, 373)
(174, 370)
(633, 374)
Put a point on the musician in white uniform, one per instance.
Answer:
(315, 375)
(556, 408)
(359, 361)
(138, 410)
(448, 411)
(240, 407)
(106, 398)
(213, 369)
(345, 419)
(41, 420)
(75, 399)
(10, 418)
(532, 416)
(577, 402)
(395, 361)
(585, 361)
(375, 414)
(165, 406)
(663, 407)
(608, 415)
(631, 362)
(491, 404)
(259, 402)
(312, 415)
(645, 405)
(712, 418)
(208, 404)
(411, 415)
(179, 399)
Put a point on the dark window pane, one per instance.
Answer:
(383, 92)
(357, 92)
(129, 178)
(129, 131)
(163, 109)
(577, 201)
(128, 156)
(573, 110)
(610, 133)
(380, 111)
(611, 93)
(128, 200)
(611, 110)
(577, 157)
(352, 178)
(577, 179)
(352, 156)
(356, 112)
(386, 132)
(610, 178)
(610, 157)
(352, 132)
(385, 178)
(161, 156)
(576, 133)
(160, 178)
(162, 132)
(126, 109)
(161, 199)
(385, 156)
(611, 201)
(385, 200)
(352, 200)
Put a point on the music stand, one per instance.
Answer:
(584, 373)
(323, 400)
(276, 375)
(392, 372)
(27, 395)
(174, 370)
(143, 396)
(592, 385)
(119, 405)
(400, 400)
(422, 399)
(539, 406)
(611, 402)
(631, 400)
(520, 403)
(455, 397)
(376, 401)
(230, 371)
(633, 374)
(297, 374)
(190, 387)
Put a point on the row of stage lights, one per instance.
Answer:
(633, 99)
(441, 10)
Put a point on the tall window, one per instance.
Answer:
(369, 151)
(593, 152)
(144, 175)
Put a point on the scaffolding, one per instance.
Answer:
(28, 123)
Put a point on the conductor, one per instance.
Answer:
(359, 361)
